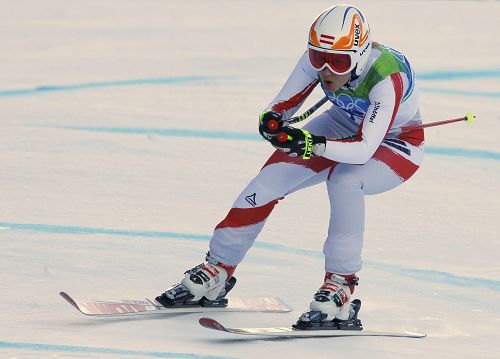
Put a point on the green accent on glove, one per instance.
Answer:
(308, 145)
(261, 116)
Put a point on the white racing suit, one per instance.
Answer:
(376, 158)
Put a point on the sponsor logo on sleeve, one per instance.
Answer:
(374, 112)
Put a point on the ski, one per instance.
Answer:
(99, 308)
(287, 332)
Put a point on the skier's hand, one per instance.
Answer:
(270, 124)
(296, 142)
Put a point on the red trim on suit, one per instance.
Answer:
(240, 217)
(401, 166)
(296, 99)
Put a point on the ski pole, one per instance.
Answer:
(307, 113)
(469, 118)
(273, 124)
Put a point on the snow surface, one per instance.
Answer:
(127, 128)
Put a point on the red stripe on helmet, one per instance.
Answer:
(328, 36)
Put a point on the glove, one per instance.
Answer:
(270, 124)
(296, 142)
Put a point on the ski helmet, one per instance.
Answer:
(340, 40)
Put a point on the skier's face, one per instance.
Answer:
(333, 82)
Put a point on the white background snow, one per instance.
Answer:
(105, 185)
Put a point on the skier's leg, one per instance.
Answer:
(387, 169)
(347, 186)
(236, 233)
(280, 176)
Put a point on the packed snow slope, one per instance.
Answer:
(128, 128)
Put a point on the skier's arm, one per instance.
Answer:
(294, 92)
(385, 98)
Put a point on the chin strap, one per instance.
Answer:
(353, 74)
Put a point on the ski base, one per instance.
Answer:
(99, 308)
(287, 332)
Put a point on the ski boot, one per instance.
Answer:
(205, 285)
(330, 308)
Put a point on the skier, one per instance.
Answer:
(356, 147)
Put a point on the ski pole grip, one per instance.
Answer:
(273, 125)
(283, 137)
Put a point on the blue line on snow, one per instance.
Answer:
(90, 85)
(457, 75)
(169, 132)
(97, 350)
(447, 76)
(460, 92)
(242, 136)
(460, 152)
(423, 76)
(49, 228)
(421, 274)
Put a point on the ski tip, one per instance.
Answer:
(69, 299)
(414, 334)
(283, 306)
(211, 324)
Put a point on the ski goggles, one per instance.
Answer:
(338, 63)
